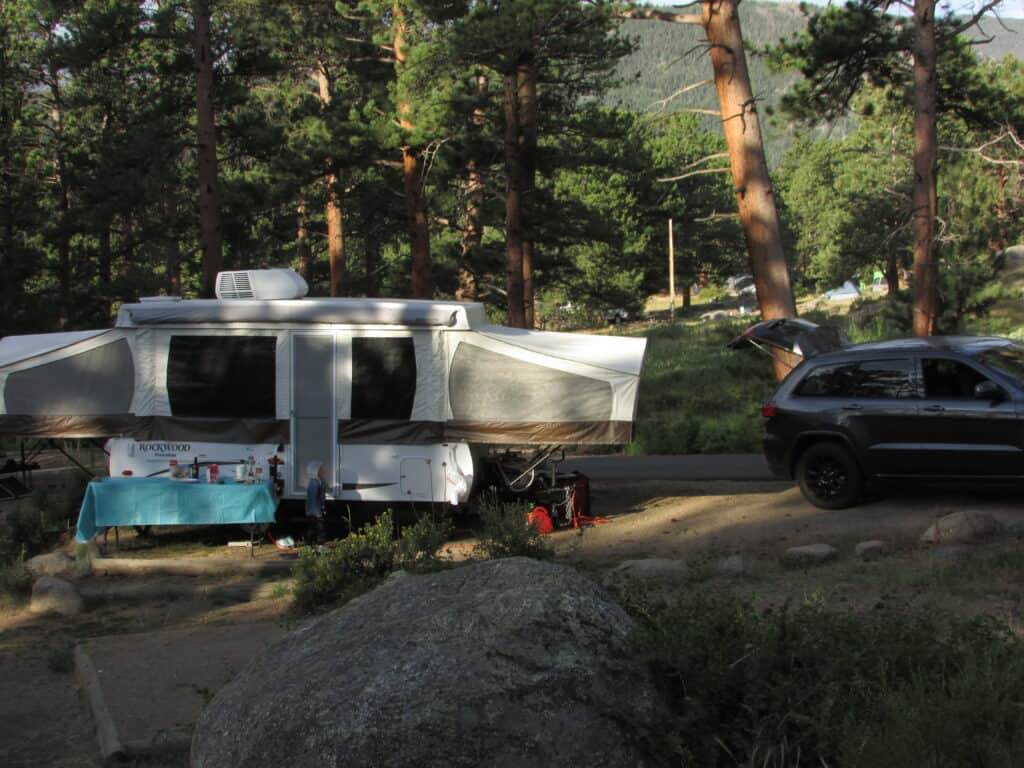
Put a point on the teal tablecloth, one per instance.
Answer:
(117, 501)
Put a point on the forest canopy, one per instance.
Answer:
(412, 148)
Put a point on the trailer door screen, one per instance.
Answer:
(222, 376)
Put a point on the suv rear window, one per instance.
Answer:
(871, 379)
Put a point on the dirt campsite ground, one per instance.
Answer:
(44, 721)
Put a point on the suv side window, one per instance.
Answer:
(949, 379)
(870, 379)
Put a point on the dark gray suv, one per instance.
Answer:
(947, 407)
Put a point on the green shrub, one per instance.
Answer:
(328, 577)
(813, 687)
(419, 544)
(352, 565)
(15, 579)
(505, 532)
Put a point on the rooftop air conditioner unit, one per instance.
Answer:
(261, 284)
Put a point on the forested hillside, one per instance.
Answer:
(669, 57)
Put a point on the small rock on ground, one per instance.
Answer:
(951, 552)
(56, 563)
(961, 528)
(51, 594)
(650, 568)
(734, 565)
(811, 554)
(871, 550)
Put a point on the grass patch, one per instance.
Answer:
(15, 580)
(699, 396)
(810, 686)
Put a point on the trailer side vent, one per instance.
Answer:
(261, 284)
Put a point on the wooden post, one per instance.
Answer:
(671, 273)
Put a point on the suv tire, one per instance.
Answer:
(829, 476)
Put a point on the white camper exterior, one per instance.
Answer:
(393, 396)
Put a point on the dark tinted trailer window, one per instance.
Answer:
(872, 379)
(383, 377)
(222, 376)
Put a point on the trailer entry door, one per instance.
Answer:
(314, 422)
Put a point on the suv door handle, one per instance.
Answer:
(934, 409)
(853, 407)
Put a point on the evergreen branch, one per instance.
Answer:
(652, 14)
(975, 17)
(695, 111)
(662, 103)
(982, 150)
(715, 215)
(699, 172)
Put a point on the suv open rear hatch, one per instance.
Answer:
(798, 337)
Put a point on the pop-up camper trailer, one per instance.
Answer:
(395, 397)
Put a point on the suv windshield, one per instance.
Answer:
(1008, 359)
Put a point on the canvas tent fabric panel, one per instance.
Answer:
(614, 353)
(15, 349)
(89, 383)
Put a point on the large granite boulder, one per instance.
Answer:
(504, 663)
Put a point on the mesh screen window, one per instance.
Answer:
(222, 376)
(488, 386)
(99, 381)
(383, 378)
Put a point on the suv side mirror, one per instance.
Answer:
(989, 390)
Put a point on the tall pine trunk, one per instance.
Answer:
(412, 181)
(206, 139)
(472, 233)
(754, 196)
(335, 231)
(892, 274)
(63, 233)
(371, 265)
(473, 229)
(513, 203)
(64, 274)
(105, 271)
(527, 84)
(172, 248)
(926, 288)
(302, 253)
